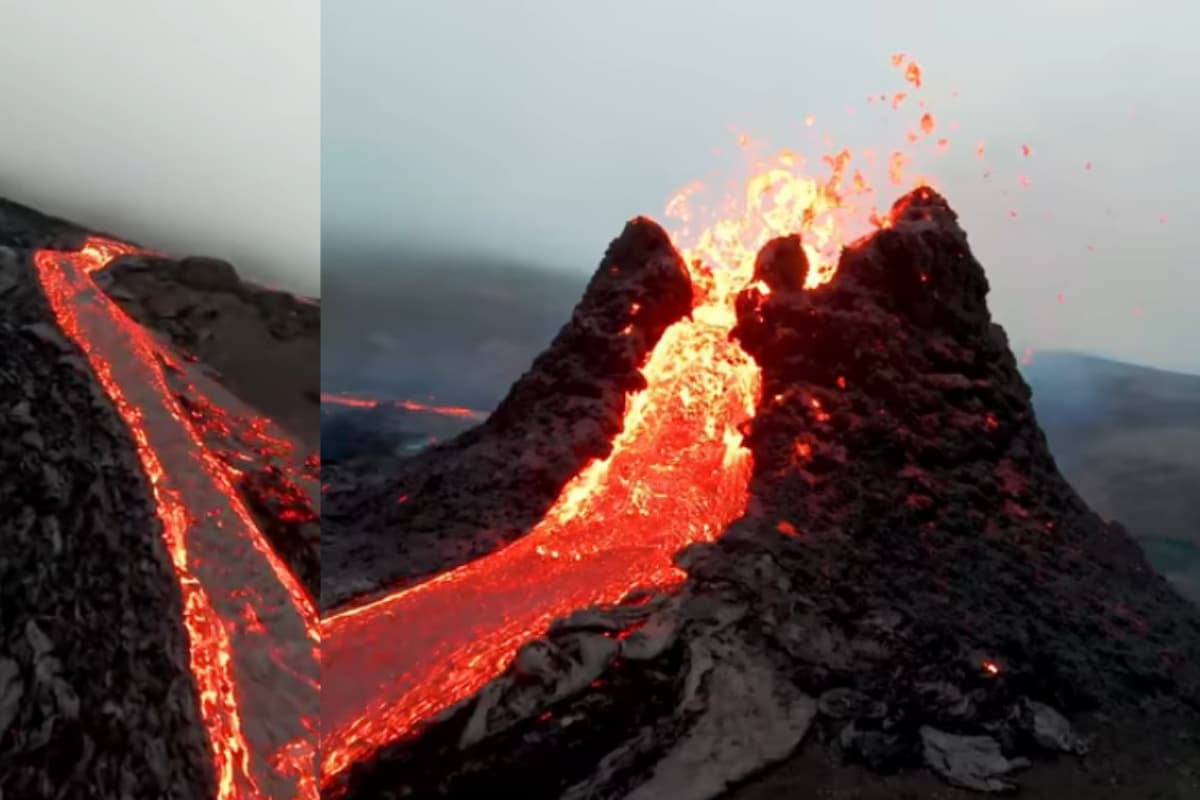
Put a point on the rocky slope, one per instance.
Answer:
(1128, 439)
(914, 584)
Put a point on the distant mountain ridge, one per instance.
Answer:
(1128, 438)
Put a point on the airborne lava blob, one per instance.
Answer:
(677, 474)
(245, 614)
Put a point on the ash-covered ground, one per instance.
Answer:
(97, 697)
(914, 591)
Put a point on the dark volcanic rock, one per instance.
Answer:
(96, 697)
(489, 485)
(929, 488)
(23, 228)
(938, 596)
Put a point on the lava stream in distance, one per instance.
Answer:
(677, 474)
(253, 636)
(407, 405)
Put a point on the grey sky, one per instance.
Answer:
(193, 127)
(533, 129)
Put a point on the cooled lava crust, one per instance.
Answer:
(907, 529)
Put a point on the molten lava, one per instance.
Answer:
(407, 405)
(224, 607)
(677, 474)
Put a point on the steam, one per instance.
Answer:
(190, 128)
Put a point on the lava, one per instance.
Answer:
(229, 608)
(407, 405)
(677, 474)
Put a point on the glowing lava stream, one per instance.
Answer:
(678, 474)
(408, 405)
(252, 632)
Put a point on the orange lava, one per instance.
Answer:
(209, 643)
(445, 411)
(677, 474)
(344, 400)
(408, 405)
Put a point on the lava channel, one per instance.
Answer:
(253, 636)
(407, 405)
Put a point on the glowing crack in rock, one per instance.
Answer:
(677, 474)
(253, 636)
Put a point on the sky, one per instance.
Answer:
(529, 131)
(192, 128)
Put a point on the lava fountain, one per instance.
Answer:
(252, 631)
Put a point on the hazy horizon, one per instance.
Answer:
(191, 128)
(542, 128)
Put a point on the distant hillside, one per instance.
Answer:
(1128, 438)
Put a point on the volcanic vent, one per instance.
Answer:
(152, 641)
(902, 575)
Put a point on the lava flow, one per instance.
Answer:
(252, 631)
(677, 474)
(407, 405)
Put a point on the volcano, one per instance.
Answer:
(732, 512)
(157, 534)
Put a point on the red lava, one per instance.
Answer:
(408, 405)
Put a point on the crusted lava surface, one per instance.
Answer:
(96, 696)
(386, 523)
(913, 582)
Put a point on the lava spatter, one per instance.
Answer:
(236, 592)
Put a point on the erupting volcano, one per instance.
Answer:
(165, 648)
(782, 477)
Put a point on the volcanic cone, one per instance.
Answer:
(908, 582)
